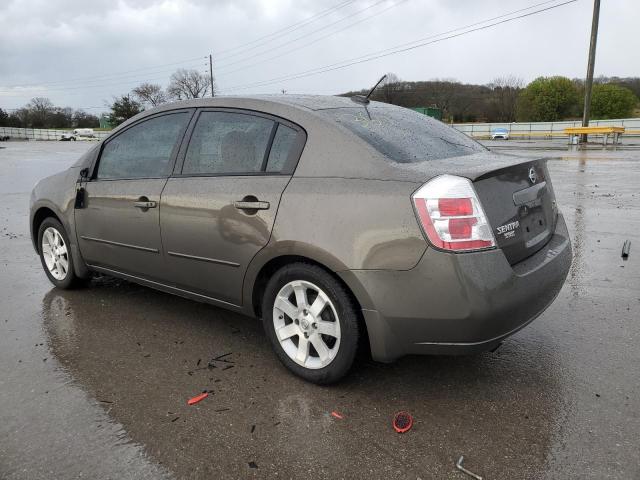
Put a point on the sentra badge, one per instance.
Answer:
(508, 230)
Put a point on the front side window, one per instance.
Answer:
(144, 150)
(226, 143)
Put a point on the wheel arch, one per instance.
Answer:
(261, 270)
(39, 216)
(43, 210)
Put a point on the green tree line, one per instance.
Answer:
(508, 99)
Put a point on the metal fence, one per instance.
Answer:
(538, 130)
(43, 134)
(542, 130)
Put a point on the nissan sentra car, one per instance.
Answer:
(337, 222)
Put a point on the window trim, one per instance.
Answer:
(174, 152)
(290, 164)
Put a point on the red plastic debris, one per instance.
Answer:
(337, 415)
(197, 398)
(402, 422)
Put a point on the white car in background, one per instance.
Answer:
(501, 133)
(78, 133)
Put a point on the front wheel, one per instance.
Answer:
(55, 254)
(311, 322)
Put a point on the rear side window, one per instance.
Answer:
(283, 143)
(144, 150)
(402, 135)
(225, 142)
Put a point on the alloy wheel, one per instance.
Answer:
(306, 324)
(55, 253)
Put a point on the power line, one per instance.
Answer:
(286, 30)
(434, 36)
(391, 51)
(105, 76)
(345, 63)
(122, 81)
(122, 74)
(224, 72)
(305, 45)
(306, 35)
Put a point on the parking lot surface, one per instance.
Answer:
(94, 382)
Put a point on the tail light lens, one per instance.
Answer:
(451, 214)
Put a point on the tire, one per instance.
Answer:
(326, 316)
(58, 264)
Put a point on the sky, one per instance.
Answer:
(84, 53)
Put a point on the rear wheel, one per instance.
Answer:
(55, 254)
(311, 322)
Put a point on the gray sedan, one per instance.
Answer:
(339, 223)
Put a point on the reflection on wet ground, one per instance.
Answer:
(146, 368)
(558, 400)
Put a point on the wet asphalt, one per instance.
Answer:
(94, 382)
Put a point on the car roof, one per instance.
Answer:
(285, 106)
(305, 102)
(312, 102)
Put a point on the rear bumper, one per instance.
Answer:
(458, 303)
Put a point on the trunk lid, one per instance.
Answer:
(520, 204)
(515, 192)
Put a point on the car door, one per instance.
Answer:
(118, 227)
(218, 209)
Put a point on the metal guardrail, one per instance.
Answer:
(43, 133)
(537, 130)
(549, 130)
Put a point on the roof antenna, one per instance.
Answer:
(365, 100)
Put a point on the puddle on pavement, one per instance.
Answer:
(142, 354)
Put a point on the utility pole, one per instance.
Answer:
(588, 84)
(211, 72)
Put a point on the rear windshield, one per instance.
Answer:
(403, 135)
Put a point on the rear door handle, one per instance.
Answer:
(257, 205)
(144, 203)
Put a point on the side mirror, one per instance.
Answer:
(84, 174)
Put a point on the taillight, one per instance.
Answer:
(451, 214)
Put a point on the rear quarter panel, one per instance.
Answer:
(363, 224)
(345, 225)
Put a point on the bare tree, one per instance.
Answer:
(82, 119)
(185, 84)
(40, 109)
(444, 93)
(390, 88)
(505, 97)
(150, 94)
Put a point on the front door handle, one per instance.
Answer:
(257, 205)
